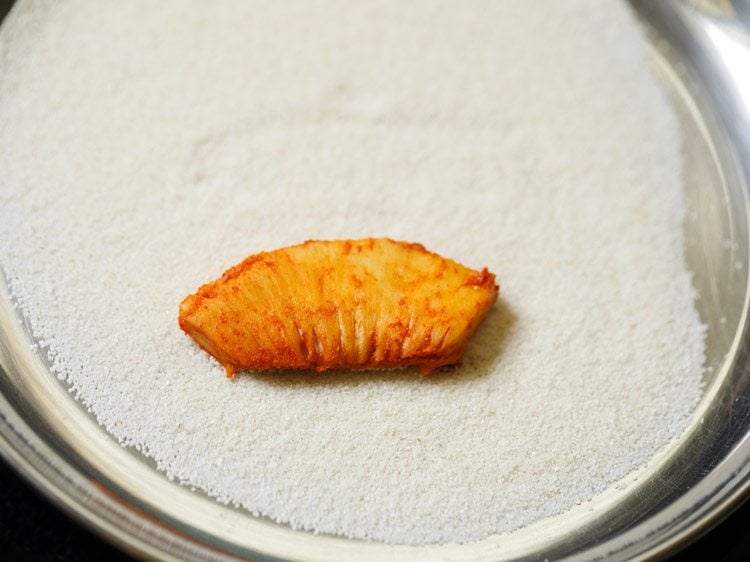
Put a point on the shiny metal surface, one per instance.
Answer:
(702, 52)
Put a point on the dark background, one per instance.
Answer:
(32, 529)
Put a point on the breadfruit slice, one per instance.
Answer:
(353, 304)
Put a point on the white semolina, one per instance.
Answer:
(147, 146)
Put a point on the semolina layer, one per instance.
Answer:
(146, 146)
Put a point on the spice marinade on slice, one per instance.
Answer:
(357, 304)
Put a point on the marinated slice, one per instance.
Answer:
(354, 304)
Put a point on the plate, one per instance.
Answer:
(701, 51)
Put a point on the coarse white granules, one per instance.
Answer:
(147, 146)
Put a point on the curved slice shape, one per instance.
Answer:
(354, 304)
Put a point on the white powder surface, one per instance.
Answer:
(147, 146)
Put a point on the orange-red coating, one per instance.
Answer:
(353, 304)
